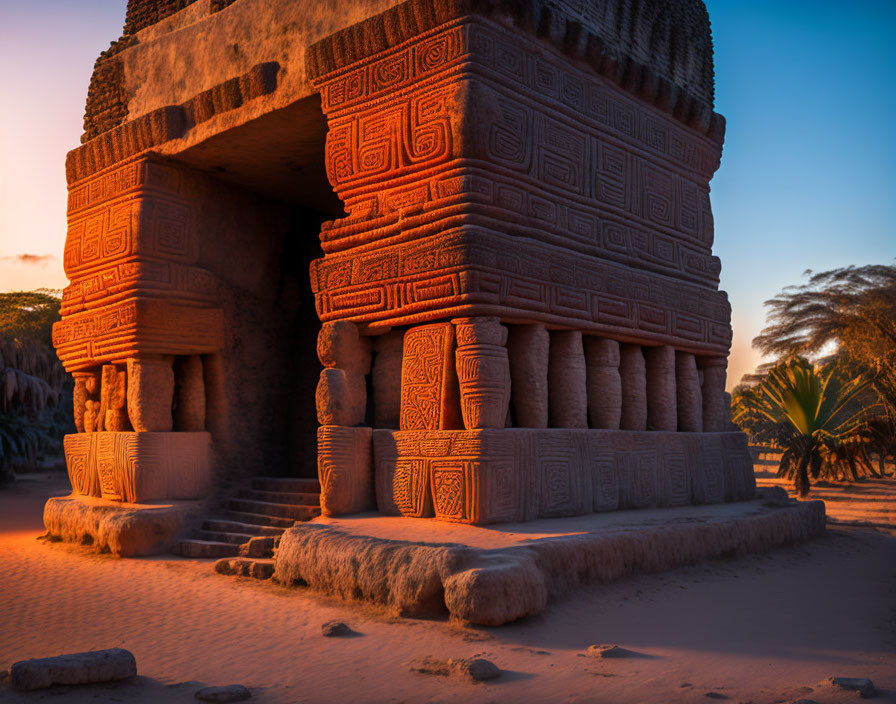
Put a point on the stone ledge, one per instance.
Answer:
(491, 577)
(127, 530)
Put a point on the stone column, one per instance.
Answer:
(715, 411)
(341, 395)
(661, 401)
(386, 379)
(690, 399)
(634, 388)
(86, 386)
(150, 393)
(189, 411)
(567, 395)
(483, 372)
(604, 384)
(113, 399)
(528, 347)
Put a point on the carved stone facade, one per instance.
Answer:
(519, 302)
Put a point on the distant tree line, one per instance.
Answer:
(35, 391)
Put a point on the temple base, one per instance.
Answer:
(491, 576)
(136, 467)
(127, 530)
(507, 475)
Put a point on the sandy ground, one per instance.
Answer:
(766, 628)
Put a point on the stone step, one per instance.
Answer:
(203, 549)
(288, 484)
(281, 497)
(257, 519)
(260, 547)
(265, 508)
(225, 536)
(225, 526)
(245, 567)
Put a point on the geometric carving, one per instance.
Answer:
(512, 474)
(345, 469)
(137, 467)
(483, 372)
(429, 387)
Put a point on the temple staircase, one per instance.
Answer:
(250, 524)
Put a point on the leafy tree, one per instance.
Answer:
(811, 415)
(35, 406)
(850, 313)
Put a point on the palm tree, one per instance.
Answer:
(813, 417)
(850, 312)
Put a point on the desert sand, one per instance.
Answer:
(766, 628)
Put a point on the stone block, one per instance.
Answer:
(528, 349)
(341, 398)
(136, 467)
(78, 668)
(345, 469)
(429, 386)
(567, 393)
(402, 483)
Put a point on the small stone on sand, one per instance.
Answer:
(336, 629)
(862, 685)
(221, 695)
(476, 669)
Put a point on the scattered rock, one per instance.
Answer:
(221, 695)
(610, 651)
(716, 695)
(805, 701)
(475, 669)
(472, 669)
(336, 629)
(773, 496)
(862, 685)
(77, 668)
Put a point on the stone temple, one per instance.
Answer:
(488, 221)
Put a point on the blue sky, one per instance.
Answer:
(808, 175)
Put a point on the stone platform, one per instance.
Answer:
(125, 529)
(491, 575)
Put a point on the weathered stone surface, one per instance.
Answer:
(689, 398)
(633, 373)
(125, 530)
(603, 382)
(715, 408)
(386, 379)
(490, 586)
(137, 467)
(222, 695)
(483, 372)
(341, 398)
(662, 413)
(340, 345)
(257, 568)
(78, 668)
(528, 349)
(150, 393)
(345, 469)
(567, 393)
